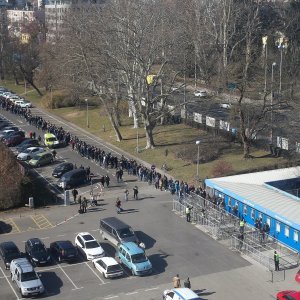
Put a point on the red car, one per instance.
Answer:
(288, 295)
(14, 140)
(297, 277)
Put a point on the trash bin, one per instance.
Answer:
(31, 202)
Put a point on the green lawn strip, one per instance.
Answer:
(170, 137)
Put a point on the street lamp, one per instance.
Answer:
(198, 157)
(272, 81)
(87, 113)
(281, 46)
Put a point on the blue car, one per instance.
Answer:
(134, 257)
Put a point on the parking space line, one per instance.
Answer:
(103, 282)
(151, 289)
(132, 293)
(111, 297)
(13, 225)
(10, 284)
(75, 286)
(41, 221)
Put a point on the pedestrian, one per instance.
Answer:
(88, 173)
(84, 205)
(188, 213)
(241, 241)
(30, 134)
(176, 282)
(118, 205)
(54, 153)
(135, 193)
(80, 203)
(126, 193)
(74, 194)
(276, 260)
(39, 139)
(33, 135)
(187, 283)
(242, 225)
(107, 180)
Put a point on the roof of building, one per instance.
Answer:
(253, 190)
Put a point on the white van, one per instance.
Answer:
(180, 294)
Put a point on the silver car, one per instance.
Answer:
(29, 153)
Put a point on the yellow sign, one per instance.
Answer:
(150, 79)
(25, 37)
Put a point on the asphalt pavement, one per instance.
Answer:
(172, 245)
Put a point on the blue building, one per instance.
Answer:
(269, 195)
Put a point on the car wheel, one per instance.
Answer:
(103, 274)
(11, 276)
(94, 265)
(20, 291)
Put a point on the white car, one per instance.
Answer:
(180, 294)
(225, 105)
(29, 153)
(88, 246)
(108, 267)
(201, 94)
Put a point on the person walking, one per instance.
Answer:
(187, 283)
(176, 282)
(54, 153)
(84, 205)
(242, 225)
(118, 205)
(126, 193)
(188, 213)
(276, 260)
(74, 194)
(107, 180)
(135, 193)
(80, 204)
(241, 241)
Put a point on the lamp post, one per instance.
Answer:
(87, 113)
(281, 46)
(272, 81)
(198, 156)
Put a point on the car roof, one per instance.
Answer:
(65, 243)
(133, 248)
(63, 164)
(35, 241)
(186, 294)
(70, 173)
(109, 261)
(115, 222)
(43, 153)
(47, 135)
(8, 245)
(24, 264)
(82, 234)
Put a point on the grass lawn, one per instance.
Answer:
(169, 138)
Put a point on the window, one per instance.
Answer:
(296, 236)
(277, 227)
(252, 214)
(229, 202)
(287, 231)
(127, 256)
(245, 210)
(269, 221)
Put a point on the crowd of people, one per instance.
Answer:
(103, 158)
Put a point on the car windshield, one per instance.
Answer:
(36, 157)
(138, 258)
(12, 254)
(70, 251)
(124, 233)
(60, 168)
(28, 276)
(92, 244)
(114, 268)
(52, 139)
(38, 249)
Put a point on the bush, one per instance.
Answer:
(59, 99)
(222, 168)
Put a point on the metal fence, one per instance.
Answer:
(222, 225)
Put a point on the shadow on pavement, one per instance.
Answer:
(52, 283)
(158, 262)
(203, 292)
(108, 248)
(146, 239)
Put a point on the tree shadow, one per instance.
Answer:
(158, 262)
(109, 249)
(146, 239)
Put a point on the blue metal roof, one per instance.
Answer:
(264, 198)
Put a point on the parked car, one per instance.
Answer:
(29, 153)
(41, 159)
(62, 168)
(8, 252)
(72, 178)
(50, 140)
(6, 132)
(37, 252)
(26, 144)
(297, 277)
(226, 105)
(12, 133)
(64, 251)
(108, 267)
(201, 94)
(288, 295)
(88, 246)
(25, 277)
(134, 258)
(180, 294)
(14, 140)
(14, 128)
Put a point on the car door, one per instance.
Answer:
(81, 245)
(169, 296)
(128, 260)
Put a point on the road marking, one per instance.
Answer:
(14, 225)
(45, 238)
(151, 289)
(103, 282)
(10, 284)
(75, 286)
(41, 221)
(111, 297)
(20, 121)
(60, 235)
(132, 293)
